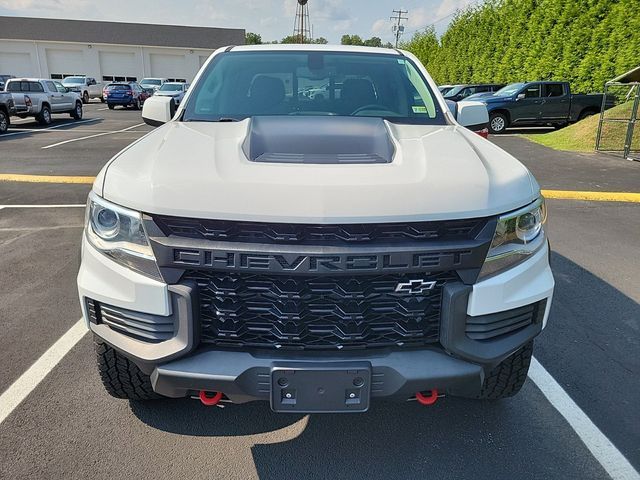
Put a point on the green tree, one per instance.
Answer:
(585, 42)
(251, 38)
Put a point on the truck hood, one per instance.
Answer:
(201, 169)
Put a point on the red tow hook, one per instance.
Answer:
(427, 400)
(210, 401)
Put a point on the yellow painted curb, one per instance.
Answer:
(593, 196)
(551, 194)
(10, 177)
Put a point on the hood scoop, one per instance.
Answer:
(317, 140)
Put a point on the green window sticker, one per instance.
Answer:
(419, 109)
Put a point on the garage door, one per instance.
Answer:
(65, 62)
(168, 66)
(118, 64)
(18, 64)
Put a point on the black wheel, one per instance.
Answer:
(85, 97)
(121, 377)
(498, 123)
(136, 104)
(44, 117)
(508, 377)
(77, 112)
(102, 99)
(111, 106)
(4, 122)
(585, 114)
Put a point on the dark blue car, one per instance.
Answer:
(126, 94)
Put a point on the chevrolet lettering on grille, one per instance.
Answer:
(331, 263)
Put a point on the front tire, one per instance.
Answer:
(506, 379)
(498, 123)
(4, 122)
(44, 117)
(111, 106)
(121, 377)
(77, 112)
(136, 105)
(85, 97)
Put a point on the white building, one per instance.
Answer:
(107, 51)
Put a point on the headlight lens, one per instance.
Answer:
(518, 235)
(119, 234)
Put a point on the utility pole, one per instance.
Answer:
(398, 28)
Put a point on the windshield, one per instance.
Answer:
(454, 91)
(151, 81)
(509, 90)
(73, 81)
(171, 87)
(238, 85)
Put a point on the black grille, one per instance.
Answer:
(317, 234)
(141, 326)
(317, 313)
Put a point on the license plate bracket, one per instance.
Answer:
(322, 388)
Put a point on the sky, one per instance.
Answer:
(273, 19)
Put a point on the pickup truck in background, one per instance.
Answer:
(86, 87)
(538, 104)
(7, 108)
(40, 98)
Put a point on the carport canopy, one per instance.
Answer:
(632, 76)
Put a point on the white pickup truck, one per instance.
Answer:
(86, 87)
(40, 98)
(314, 253)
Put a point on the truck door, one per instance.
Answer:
(526, 110)
(55, 98)
(66, 102)
(555, 102)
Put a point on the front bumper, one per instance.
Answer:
(179, 366)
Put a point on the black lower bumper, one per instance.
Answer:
(244, 376)
(180, 366)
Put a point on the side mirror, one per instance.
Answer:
(473, 115)
(67, 89)
(158, 110)
(521, 96)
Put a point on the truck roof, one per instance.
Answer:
(314, 48)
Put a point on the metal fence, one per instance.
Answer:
(617, 132)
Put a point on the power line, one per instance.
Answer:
(398, 29)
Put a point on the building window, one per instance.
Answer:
(132, 79)
(56, 76)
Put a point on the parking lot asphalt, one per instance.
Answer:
(68, 427)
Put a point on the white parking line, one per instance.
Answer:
(36, 130)
(29, 380)
(605, 452)
(91, 136)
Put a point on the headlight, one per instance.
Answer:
(119, 234)
(518, 235)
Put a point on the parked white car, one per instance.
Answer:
(152, 82)
(86, 87)
(175, 90)
(40, 98)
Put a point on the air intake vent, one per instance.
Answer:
(489, 327)
(141, 326)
